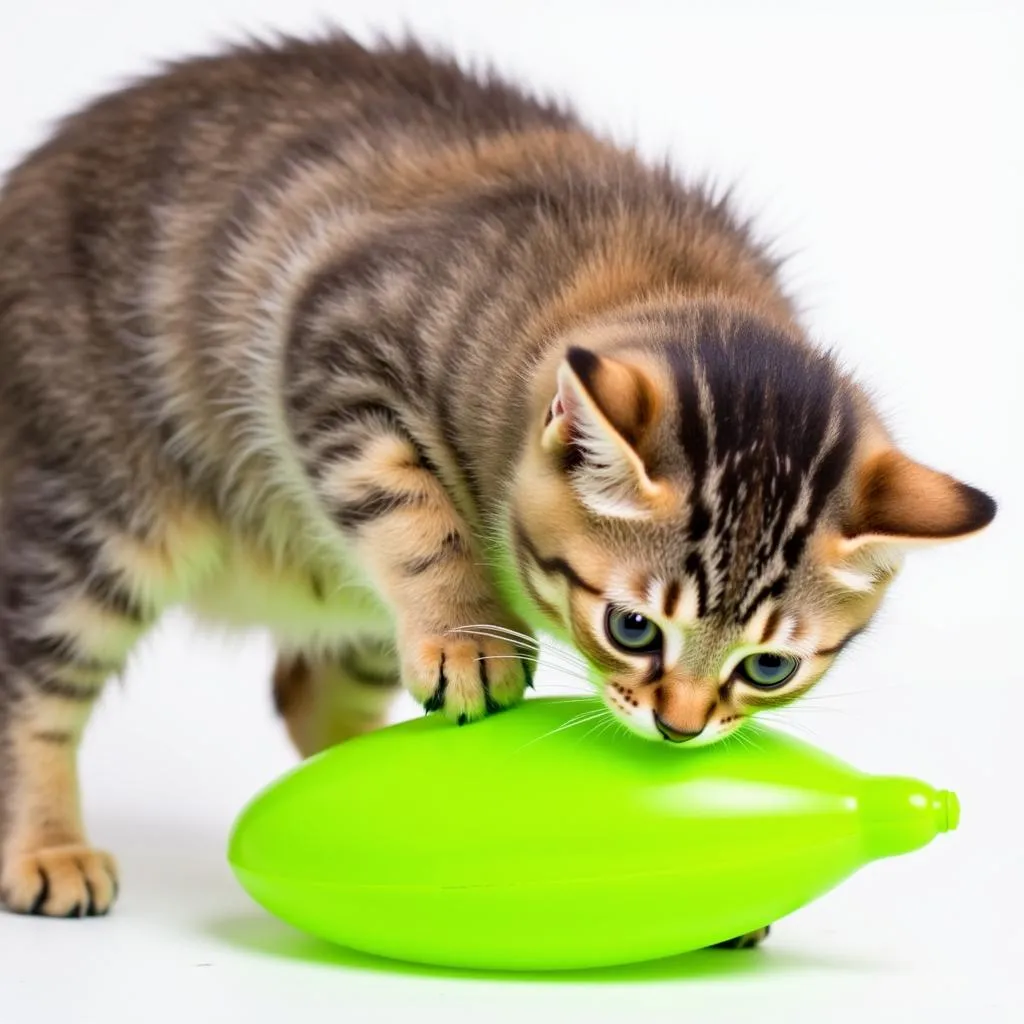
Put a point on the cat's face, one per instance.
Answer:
(709, 511)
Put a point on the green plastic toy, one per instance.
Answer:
(525, 842)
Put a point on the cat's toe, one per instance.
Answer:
(465, 678)
(60, 881)
(748, 941)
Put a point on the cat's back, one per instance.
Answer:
(110, 222)
(88, 203)
(215, 115)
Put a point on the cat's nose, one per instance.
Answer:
(671, 733)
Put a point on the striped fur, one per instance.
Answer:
(403, 364)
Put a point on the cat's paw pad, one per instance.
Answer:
(464, 677)
(60, 881)
(748, 941)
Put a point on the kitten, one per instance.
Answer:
(406, 366)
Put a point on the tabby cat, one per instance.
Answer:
(407, 367)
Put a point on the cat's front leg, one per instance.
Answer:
(456, 654)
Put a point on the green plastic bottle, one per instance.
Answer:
(524, 842)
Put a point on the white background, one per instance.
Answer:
(882, 145)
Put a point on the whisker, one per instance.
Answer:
(486, 627)
(494, 629)
(532, 650)
(597, 727)
(515, 657)
(567, 672)
(788, 724)
(572, 685)
(472, 631)
(569, 688)
(746, 738)
(825, 694)
(622, 727)
(799, 707)
(557, 654)
(522, 645)
(558, 657)
(579, 719)
(571, 699)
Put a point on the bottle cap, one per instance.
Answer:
(947, 810)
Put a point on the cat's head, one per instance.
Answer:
(709, 510)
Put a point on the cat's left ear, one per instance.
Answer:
(596, 424)
(898, 502)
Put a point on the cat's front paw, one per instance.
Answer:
(465, 677)
(59, 881)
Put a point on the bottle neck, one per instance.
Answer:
(900, 814)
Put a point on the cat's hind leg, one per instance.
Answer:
(749, 941)
(327, 698)
(66, 626)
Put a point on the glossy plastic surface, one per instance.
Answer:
(520, 843)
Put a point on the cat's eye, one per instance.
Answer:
(767, 671)
(632, 632)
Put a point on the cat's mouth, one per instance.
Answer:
(644, 720)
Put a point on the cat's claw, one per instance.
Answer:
(465, 678)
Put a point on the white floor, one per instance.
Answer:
(881, 142)
(175, 755)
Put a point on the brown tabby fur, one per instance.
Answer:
(404, 365)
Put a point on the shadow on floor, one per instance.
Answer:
(254, 933)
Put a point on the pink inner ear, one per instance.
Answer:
(554, 409)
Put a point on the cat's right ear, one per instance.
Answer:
(598, 417)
